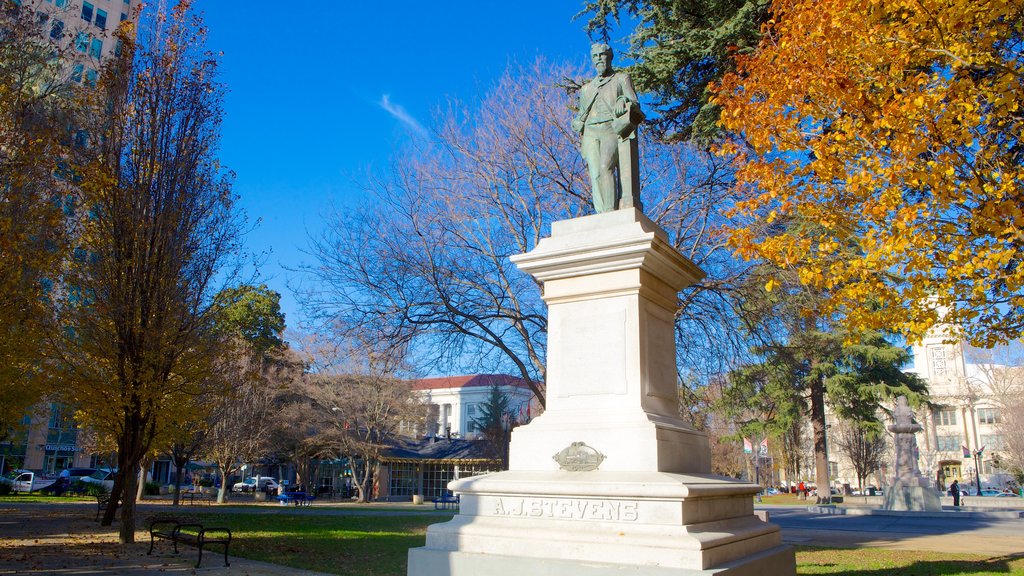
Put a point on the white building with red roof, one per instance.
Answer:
(458, 400)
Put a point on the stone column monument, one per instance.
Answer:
(910, 489)
(609, 480)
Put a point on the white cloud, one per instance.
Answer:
(402, 115)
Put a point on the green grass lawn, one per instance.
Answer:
(351, 545)
(36, 497)
(378, 546)
(880, 562)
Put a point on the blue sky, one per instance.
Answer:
(317, 100)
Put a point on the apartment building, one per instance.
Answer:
(86, 29)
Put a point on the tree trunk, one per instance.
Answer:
(821, 475)
(140, 492)
(363, 484)
(132, 447)
(127, 532)
(115, 496)
(178, 474)
(225, 472)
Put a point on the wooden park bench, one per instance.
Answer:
(101, 505)
(190, 534)
(197, 497)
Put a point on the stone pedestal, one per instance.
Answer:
(609, 480)
(910, 490)
(911, 496)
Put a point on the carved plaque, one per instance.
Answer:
(578, 457)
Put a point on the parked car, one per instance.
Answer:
(102, 477)
(997, 493)
(68, 477)
(251, 484)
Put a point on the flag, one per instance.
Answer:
(980, 450)
(967, 453)
(748, 447)
(764, 447)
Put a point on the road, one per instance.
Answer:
(949, 533)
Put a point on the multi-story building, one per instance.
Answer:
(458, 400)
(48, 442)
(961, 436)
(86, 29)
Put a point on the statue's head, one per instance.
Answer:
(601, 55)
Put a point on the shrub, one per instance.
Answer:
(151, 489)
(95, 489)
(5, 489)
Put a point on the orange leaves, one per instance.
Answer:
(880, 141)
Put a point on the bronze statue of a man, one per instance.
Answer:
(607, 119)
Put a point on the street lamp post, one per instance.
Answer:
(977, 468)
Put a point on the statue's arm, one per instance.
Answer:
(580, 118)
(627, 89)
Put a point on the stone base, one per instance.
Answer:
(911, 497)
(426, 562)
(603, 522)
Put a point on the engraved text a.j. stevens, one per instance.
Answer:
(567, 509)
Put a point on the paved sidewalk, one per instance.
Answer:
(67, 541)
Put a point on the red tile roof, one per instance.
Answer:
(472, 380)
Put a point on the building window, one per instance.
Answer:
(87, 12)
(101, 19)
(403, 479)
(436, 478)
(947, 443)
(82, 42)
(988, 415)
(76, 72)
(96, 48)
(992, 442)
(945, 417)
(90, 77)
(62, 3)
(471, 414)
(123, 16)
(57, 29)
(938, 357)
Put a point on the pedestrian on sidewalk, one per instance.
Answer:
(954, 490)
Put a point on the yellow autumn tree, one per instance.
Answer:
(882, 159)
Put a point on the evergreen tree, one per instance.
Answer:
(680, 47)
(495, 421)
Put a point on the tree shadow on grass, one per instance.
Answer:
(844, 564)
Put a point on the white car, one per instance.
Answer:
(102, 477)
(261, 483)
